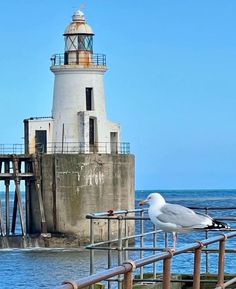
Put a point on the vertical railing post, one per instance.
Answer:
(109, 263)
(154, 243)
(120, 248)
(221, 262)
(126, 238)
(206, 252)
(7, 198)
(167, 271)
(141, 241)
(128, 276)
(128, 280)
(92, 250)
(197, 267)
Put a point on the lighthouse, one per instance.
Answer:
(84, 167)
(79, 121)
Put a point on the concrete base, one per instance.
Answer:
(74, 185)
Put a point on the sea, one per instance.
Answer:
(33, 268)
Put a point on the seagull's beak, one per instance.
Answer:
(144, 202)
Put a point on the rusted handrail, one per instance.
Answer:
(127, 267)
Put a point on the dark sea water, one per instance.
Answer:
(47, 268)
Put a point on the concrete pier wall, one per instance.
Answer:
(74, 185)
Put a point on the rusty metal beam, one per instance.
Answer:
(3, 232)
(17, 192)
(221, 262)
(167, 271)
(197, 267)
(7, 198)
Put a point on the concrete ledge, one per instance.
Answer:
(43, 241)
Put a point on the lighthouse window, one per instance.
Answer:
(91, 131)
(85, 42)
(89, 98)
(71, 43)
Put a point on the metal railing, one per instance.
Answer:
(85, 147)
(68, 147)
(12, 149)
(123, 244)
(96, 59)
(128, 267)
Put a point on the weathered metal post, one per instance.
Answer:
(206, 252)
(18, 197)
(109, 263)
(141, 241)
(7, 198)
(221, 262)
(197, 267)
(167, 271)
(91, 251)
(126, 236)
(154, 252)
(128, 276)
(3, 233)
(120, 248)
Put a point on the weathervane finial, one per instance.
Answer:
(82, 6)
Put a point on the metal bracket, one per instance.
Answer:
(201, 244)
(132, 263)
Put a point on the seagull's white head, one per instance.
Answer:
(153, 199)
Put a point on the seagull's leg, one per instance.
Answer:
(174, 240)
(166, 240)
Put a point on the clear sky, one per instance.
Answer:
(171, 80)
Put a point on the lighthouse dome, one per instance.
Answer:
(78, 25)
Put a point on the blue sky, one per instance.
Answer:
(170, 84)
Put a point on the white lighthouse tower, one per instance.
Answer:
(79, 121)
(79, 111)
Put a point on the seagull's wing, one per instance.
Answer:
(182, 217)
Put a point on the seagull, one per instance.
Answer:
(172, 218)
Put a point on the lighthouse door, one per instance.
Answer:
(92, 144)
(91, 131)
(41, 141)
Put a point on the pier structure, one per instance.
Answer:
(14, 170)
(48, 196)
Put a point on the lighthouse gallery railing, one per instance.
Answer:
(96, 59)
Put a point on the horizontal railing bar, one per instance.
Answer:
(137, 280)
(228, 283)
(161, 249)
(114, 213)
(92, 279)
(158, 249)
(174, 280)
(118, 217)
(123, 239)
